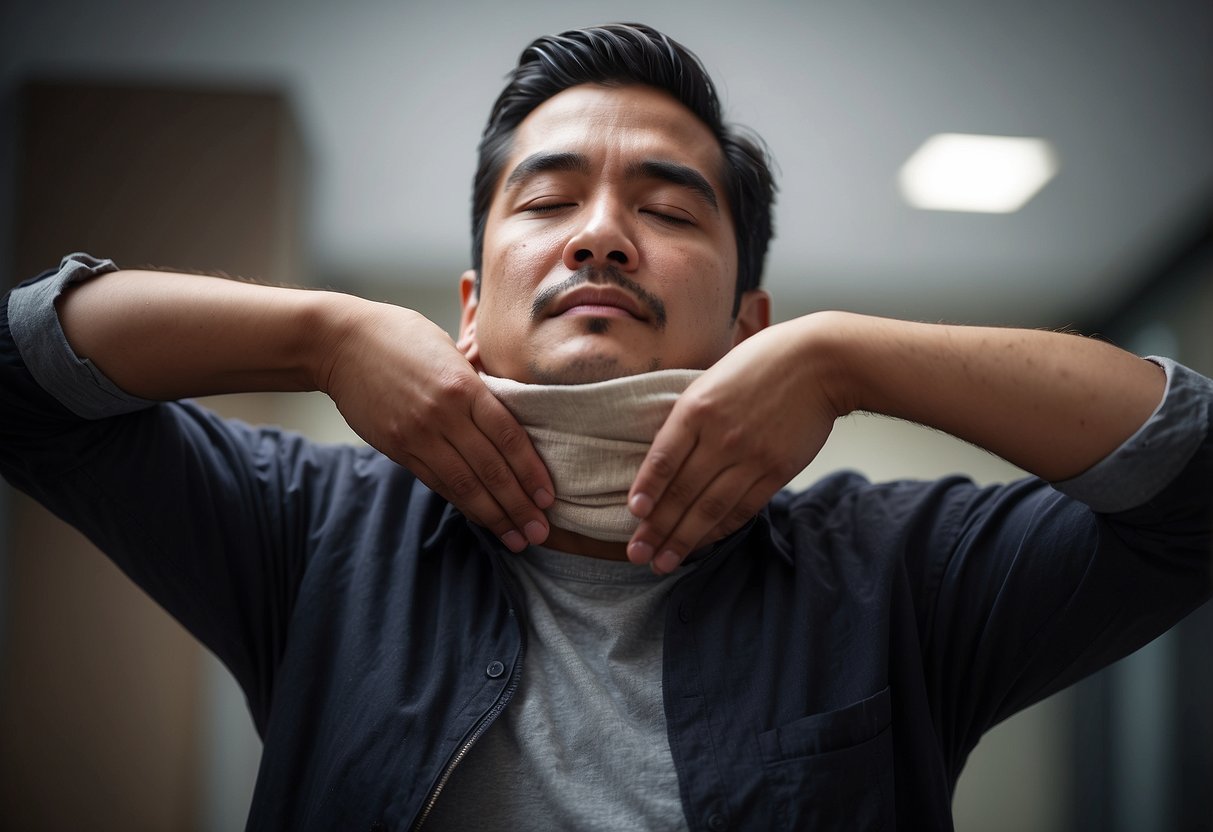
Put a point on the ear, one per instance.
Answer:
(753, 314)
(467, 320)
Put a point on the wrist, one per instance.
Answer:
(827, 344)
(331, 323)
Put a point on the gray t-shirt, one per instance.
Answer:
(583, 743)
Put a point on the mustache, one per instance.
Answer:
(602, 276)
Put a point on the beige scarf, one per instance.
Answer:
(593, 437)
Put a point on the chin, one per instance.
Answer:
(587, 369)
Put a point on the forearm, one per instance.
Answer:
(1053, 404)
(164, 336)
(398, 379)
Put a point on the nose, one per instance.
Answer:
(603, 239)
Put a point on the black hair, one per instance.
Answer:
(630, 53)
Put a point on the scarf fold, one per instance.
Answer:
(593, 437)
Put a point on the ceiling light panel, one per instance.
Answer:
(967, 172)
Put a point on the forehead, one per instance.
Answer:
(612, 125)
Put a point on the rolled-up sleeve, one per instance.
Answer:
(33, 320)
(1151, 458)
(211, 517)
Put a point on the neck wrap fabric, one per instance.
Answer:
(593, 437)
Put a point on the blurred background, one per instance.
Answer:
(333, 145)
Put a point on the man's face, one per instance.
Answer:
(609, 248)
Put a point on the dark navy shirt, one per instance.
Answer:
(830, 666)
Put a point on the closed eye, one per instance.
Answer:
(548, 208)
(670, 218)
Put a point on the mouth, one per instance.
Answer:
(600, 294)
(599, 301)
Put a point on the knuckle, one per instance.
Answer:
(393, 432)
(662, 465)
(464, 486)
(511, 439)
(426, 411)
(680, 492)
(711, 509)
(457, 386)
(697, 406)
(497, 475)
(733, 438)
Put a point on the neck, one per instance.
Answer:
(579, 544)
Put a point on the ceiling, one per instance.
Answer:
(391, 98)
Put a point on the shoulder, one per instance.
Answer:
(848, 497)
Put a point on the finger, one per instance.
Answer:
(674, 443)
(511, 440)
(455, 480)
(435, 484)
(717, 500)
(424, 473)
(747, 507)
(497, 478)
(681, 493)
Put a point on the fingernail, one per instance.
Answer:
(513, 541)
(667, 561)
(535, 532)
(640, 552)
(543, 498)
(640, 505)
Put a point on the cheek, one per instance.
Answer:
(706, 291)
(522, 260)
(513, 270)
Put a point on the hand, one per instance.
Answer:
(404, 387)
(737, 435)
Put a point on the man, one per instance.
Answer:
(673, 644)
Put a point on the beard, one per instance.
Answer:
(594, 365)
(589, 366)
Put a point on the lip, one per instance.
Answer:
(598, 300)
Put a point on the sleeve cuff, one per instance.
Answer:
(1153, 456)
(34, 321)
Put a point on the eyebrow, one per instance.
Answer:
(538, 163)
(666, 171)
(675, 174)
